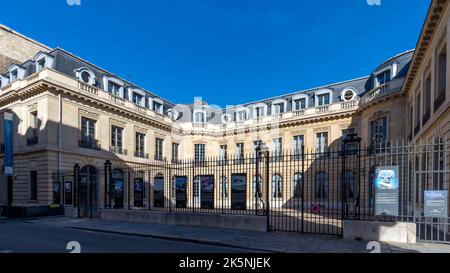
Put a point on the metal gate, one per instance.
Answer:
(304, 190)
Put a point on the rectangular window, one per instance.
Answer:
(411, 122)
(347, 132)
(297, 145)
(241, 116)
(88, 133)
(137, 98)
(300, 104)
(34, 129)
(378, 131)
(114, 88)
(13, 75)
(418, 112)
(40, 64)
(259, 112)
(175, 152)
(323, 99)
(426, 99)
(223, 152)
(277, 144)
(321, 142)
(199, 152)
(240, 152)
(116, 140)
(256, 144)
(383, 77)
(159, 149)
(277, 108)
(441, 63)
(156, 106)
(140, 145)
(33, 186)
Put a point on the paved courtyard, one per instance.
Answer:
(233, 239)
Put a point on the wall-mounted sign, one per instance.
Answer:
(8, 139)
(239, 191)
(386, 190)
(207, 191)
(138, 192)
(436, 204)
(181, 191)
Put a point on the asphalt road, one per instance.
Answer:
(18, 237)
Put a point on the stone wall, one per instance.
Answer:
(16, 48)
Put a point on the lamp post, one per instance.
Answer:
(260, 148)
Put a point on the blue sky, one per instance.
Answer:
(226, 51)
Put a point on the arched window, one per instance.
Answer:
(223, 187)
(321, 185)
(297, 185)
(349, 182)
(257, 193)
(277, 186)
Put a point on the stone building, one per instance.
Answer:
(68, 111)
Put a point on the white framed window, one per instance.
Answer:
(157, 105)
(43, 60)
(321, 142)
(226, 118)
(16, 72)
(199, 116)
(113, 86)
(3, 81)
(383, 76)
(299, 102)
(85, 75)
(279, 106)
(323, 97)
(173, 114)
(259, 110)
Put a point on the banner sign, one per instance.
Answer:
(180, 191)
(118, 193)
(138, 192)
(207, 191)
(8, 139)
(158, 192)
(238, 191)
(436, 204)
(386, 190)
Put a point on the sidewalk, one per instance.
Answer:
(258, 241)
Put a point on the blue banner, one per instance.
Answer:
(8, 139)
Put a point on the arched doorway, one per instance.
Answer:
(88, 192)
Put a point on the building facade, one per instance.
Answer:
(67, 111)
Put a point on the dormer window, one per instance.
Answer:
(137, 98)
(348, 94)
(16, 72)
(40, 64)
(85, 75)
(199, 116)
(300, 104)
(157, 105)
(114, 88)
(279, 106)
(13, 75)
(241, 115)
(43, 60)
(3, 81)
(383, 77)
(323, 99)
(259, 110)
